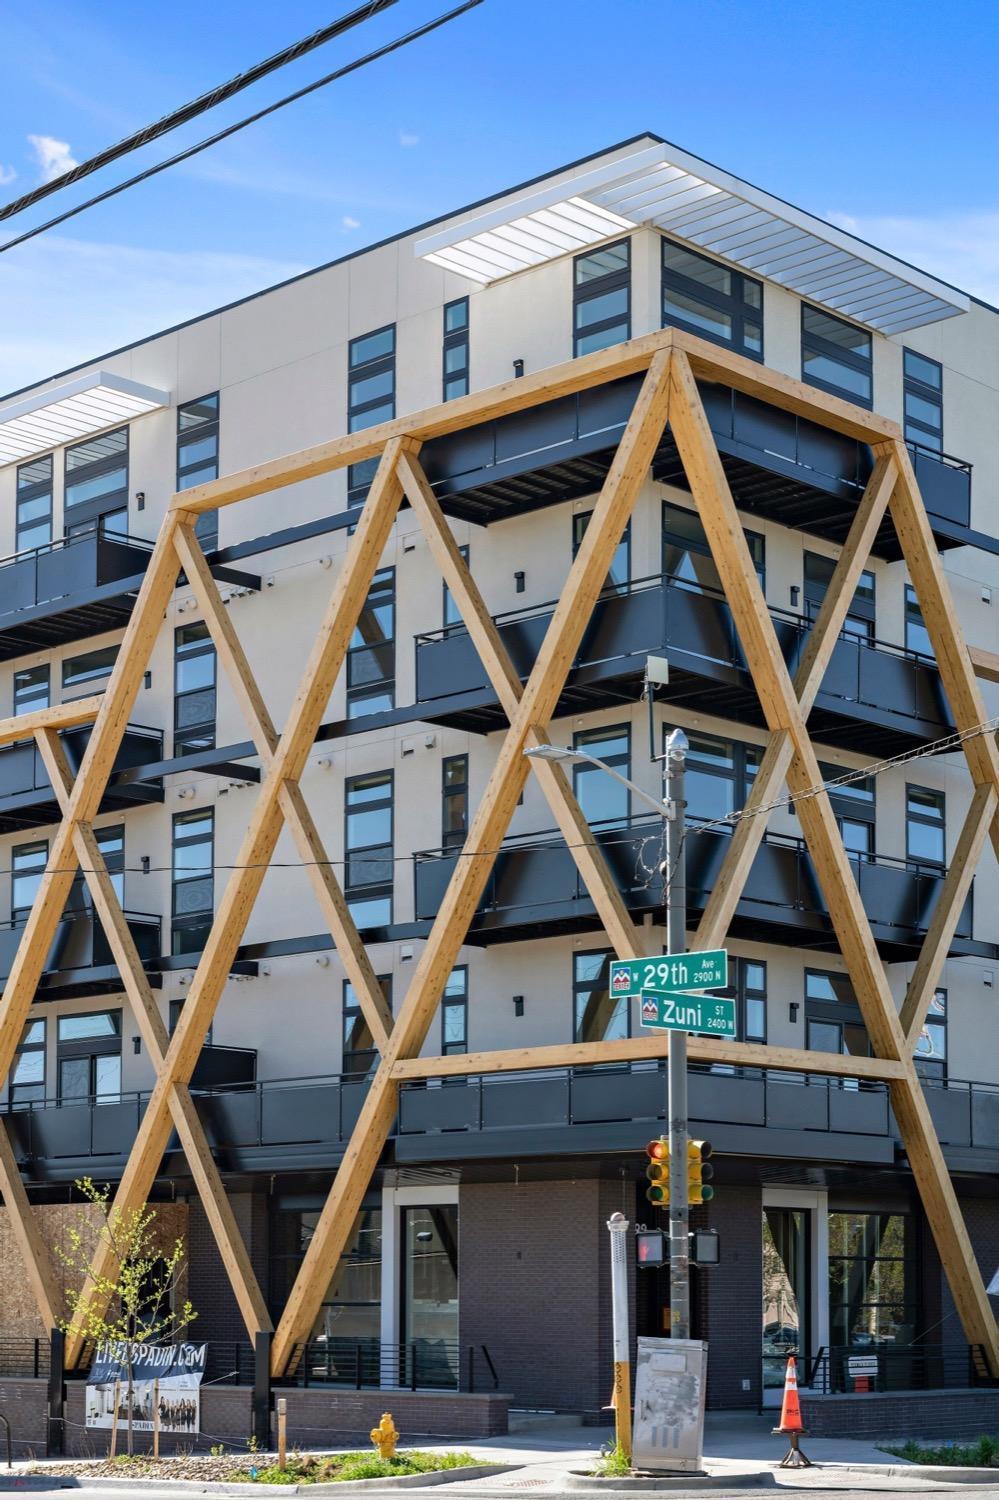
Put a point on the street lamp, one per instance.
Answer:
(662, 806)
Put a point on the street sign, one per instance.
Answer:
(662, 1010)
(673, 971)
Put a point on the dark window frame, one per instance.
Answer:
(926, 820)
(733, 304)
(360, 475)
(455, 1001)
(740, 778)
(862, 612)
(361, 689)
(90, 1048)
(207, 527)
(934, 1066)
(915, 627)
(620, 760)
(918, 432)
(200, 919)
(198, 734)
(755, 540)
(370, 890)
(27, 494)
(75, 675)
(621, 561)
(618, 1005)
(31, 1091)
(454, 838)
(93, 515)
(455, 340)
(815, 343)
(451, 617)
(25, 682)
(39, 847)
(591, 290)
(359, 1060)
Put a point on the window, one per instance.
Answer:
(597, 1015)
(348, 1323)
(198, 457)
(931, 1048)
(454, 797)
(28, 1081)
(97, 485)
(922, 396)
(27, 866)
(454, 1012)
(31, 689)
(452, 614)
(34, 504)
(429, 1303)
(719, 776)
(89, 1057)
(359, 1052)
(455, 357)
(601, 298)
(371, 657)
(111, 843)
(712, 300)
(836, 356)
(687, 556)
(603, 800)
(193, 879)
(89, 669)
(854, 805)
(833, 1020)
(859, 622)
(748, 988)
(917, 637)
(176, 1006)
(872, 1280)
(925, 826)
(619, 572)
(193, 689)
(368, 845)
(370, 398)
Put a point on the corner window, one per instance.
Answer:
(31, 690)
(198, 458)
(359, 1052)
(687, 558)
(604, 802)
(925, 826)
(601, 298)
(859, 622)
(193, 879)
(455, 352)
(597, 1015)
(96, 494)
(27, 1084)
(89, 1057)
(836, 356)
(371, 657)
(194, 689)
(931, 1047)
(368, 844)
(454, 798)
(922, 395)
(712, 300)
(34, 504)
(370, 398)
(454, 1012)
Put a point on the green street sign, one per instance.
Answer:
(662, 1010)
(673, 971)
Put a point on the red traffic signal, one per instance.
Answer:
(657, 1172)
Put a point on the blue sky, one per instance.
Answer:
(882, 116)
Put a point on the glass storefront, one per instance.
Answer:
(345, 1339)
(785, 1291)
(872, 1292)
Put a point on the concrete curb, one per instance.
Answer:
(937, 1472)
(221, 1487)
(572, 1479)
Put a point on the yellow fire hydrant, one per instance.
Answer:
(385, 1436)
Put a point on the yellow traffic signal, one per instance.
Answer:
(657, 1172)
(699, 1172)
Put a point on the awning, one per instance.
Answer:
(690, 200)
(76, 409)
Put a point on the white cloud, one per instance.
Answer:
(7, 174)
(407, 138)
(64, 301)
(54, 157)
(349, 223)
(962, 248)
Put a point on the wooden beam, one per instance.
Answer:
(985, 663)
(947, 912)
(587, 575)
(29, 1239)
(61, 716)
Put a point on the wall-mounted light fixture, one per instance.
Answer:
(518, 368)
(520, 580)
(518, 1005)
(136, 1045)
(140, 499)
(792, 1011)
(147, 679)
(795, 595)
(144, 862)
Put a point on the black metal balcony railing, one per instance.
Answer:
(81, 946)
(903, 1367)
(68, 589)
(944, 483)
(875, 695)
(26, 796)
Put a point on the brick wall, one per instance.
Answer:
(728, 1298)
(919, 1414)
(219, 1318)
(981, 1215)
(25, 1403)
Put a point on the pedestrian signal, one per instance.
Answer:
(699, 1172)
(657, 1172)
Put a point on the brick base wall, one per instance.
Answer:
(919, 1414)
(24, 1403)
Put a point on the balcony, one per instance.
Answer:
(780, 466)
(70, 589)
(535, 890)
(303, 1124)
(875, 698)
(80, 962)
(26, 796)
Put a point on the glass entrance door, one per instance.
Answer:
(430, 1295)
(785, 1295)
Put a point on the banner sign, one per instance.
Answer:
(178, 1368)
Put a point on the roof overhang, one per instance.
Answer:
(664, 187)
(76, 409)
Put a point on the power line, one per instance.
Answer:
(198, 106)
(213, 140)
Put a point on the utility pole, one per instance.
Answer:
(676, 942)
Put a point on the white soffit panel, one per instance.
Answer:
(692, 201)
(77, 409)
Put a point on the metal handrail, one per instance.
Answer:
(60, 542)
(947, 459)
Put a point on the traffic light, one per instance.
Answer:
(657, 1172)
(699, 1172)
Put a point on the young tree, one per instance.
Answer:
(137, 1303)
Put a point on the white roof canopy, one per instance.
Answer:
(693, 201)
(76, 409)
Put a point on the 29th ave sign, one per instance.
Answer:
(671, 971)
(662, 1011)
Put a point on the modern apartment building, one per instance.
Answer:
(480, 1252)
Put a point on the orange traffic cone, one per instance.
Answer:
(790, 1420)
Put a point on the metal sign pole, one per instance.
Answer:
(676, 942)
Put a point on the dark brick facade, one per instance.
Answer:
(919, 1414)
(727, 1303)
(219, 1318)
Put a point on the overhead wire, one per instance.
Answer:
(260, 114)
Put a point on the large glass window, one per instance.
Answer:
(27, 864)
(859, 622)
(370, 397)
(922, 389)
(619, 572)
(194, 689)
(454, 1012)
(833, 1020)
(359, 1052)
(27, 1084)
(785, 1290)
(89, 1057)
(597, 1015)
(455, 352)
(872, 1280)
(430, 1295)
(96, 495)
(925, 826)
(34, 504)
(712, 300)
(193, 879)
(604, 801)
(31, 689)
(719, 776)
(917, 637)
(89, 672)
(601, 298)
(344, 1340)
(198, 457)
(371, 658)
(454, 800)
(854, 805)
(836, 356)
(368, 844)
(931, 1047)
(687, 555)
